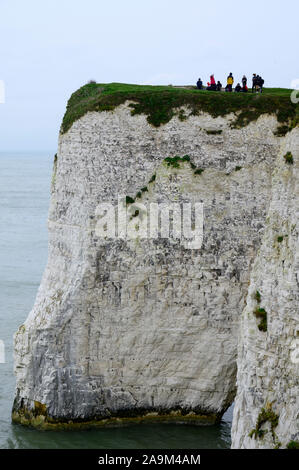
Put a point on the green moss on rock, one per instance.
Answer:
(262, 315)
(258, 296)
(293, 445)
(289, 158)
(153, 178)
(129, 200)
(175, 161)
(39, 418)
(282, 130)
(266, 415)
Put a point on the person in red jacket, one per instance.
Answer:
(212, 83)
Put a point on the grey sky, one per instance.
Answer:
(50, 48)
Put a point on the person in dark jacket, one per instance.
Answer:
(260, 83)
(244, 81)
(254, 82)
(199, 84)
(219, 86)
(238, 88)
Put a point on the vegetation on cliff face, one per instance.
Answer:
(39, 418)
(173, 162)
(262, 315)
(266, 415)
(293, 445)
(289, 158)
(161, 103)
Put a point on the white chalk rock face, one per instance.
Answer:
(146, 328)
(266, 413)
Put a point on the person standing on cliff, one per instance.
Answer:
(254, 82)
(213, 83)
(261, 82)
(230, 82)
(199, 84)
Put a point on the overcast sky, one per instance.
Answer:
(50, 48)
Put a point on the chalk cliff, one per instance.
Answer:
(266, 413)
(132, 329)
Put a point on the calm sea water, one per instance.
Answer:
(24, 201)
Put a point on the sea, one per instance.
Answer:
(25, 179)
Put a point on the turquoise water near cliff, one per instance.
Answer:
(24, 200)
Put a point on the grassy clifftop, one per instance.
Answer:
(161, 103)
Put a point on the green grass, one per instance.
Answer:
(199, 171)
(175, 161)
(258, 297)
(277, 91)
(289, 158)
(129, 200)
(264, 416)
(281, 131)
(293, 445)
(153, 178)
(161, 103)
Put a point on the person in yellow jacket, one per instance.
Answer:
(230, 82)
